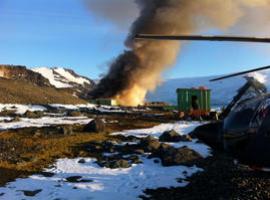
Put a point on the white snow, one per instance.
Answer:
(102, 108)
(43, 122)
(48, 74)
(113, 184)
(21, 108)
(2, 119)
(262, 78)
(73, 106)
(182, 128)
(60, 77)
(70, 77)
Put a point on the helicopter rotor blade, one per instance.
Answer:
(240, 73)
(210, 38)
(202, 38)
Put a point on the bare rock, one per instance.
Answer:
(77, 179)
(74, 113)
(114, 164)
(29, 193)
(173, 136)
(150, 144)
(67, 130)
(97, 126)
(35, 114)
(180, 156)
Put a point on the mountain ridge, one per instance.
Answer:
(23, 85)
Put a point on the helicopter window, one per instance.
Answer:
(250, 93)
(261, 114)
(240, 118)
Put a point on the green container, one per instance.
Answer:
(184, 99)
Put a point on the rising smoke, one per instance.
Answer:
(138, 69)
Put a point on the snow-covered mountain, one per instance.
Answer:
(21, 84)
(222, 91)
(67, 78)
(62, 78)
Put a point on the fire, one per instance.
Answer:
(132, 97)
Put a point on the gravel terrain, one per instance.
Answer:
(222, 179)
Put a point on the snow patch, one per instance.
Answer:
(60, 77)
(43, 122)
(21, 108)
(51, 76)
(262, 78)
(113, 184)
(72, 106)
(70, 77)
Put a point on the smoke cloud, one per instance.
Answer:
(120, 12)
(138, 69)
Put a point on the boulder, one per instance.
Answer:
(108, 146)
(47, 174)
(74, 113)
(114, 164)
(173, 136)
(15, 119)
(30, 193)
(35, 114)
(82, 161)
(77, 179)
(67, 130)
(96, 126)
(179, 156)
(149, 144)
(134, 159)
(139, 151)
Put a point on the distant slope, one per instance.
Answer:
(17, 72)
(23, 92)
(222, 91)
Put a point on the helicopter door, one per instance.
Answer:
(261, 114)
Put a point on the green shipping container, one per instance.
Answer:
(184, 99)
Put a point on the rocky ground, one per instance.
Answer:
(27, 151)
(222, 179)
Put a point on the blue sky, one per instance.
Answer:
(65, 33)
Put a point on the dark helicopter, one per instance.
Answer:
(244, 125)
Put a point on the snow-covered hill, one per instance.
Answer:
(222, 91)
(62, 78)
(67, 78)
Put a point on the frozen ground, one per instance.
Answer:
(103, 183)
(42, 122)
